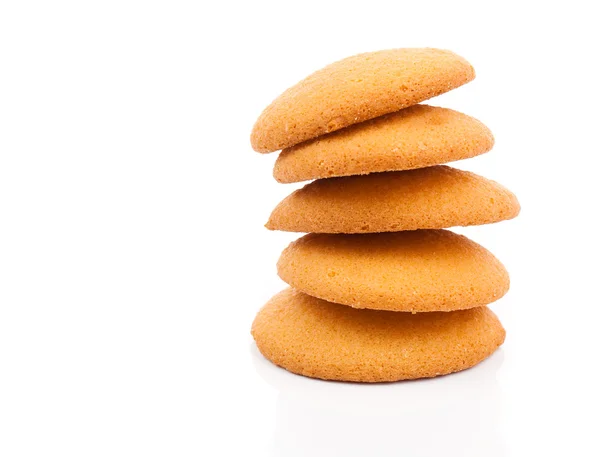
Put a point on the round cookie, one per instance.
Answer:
(415, 137)
(416, 271)
(356, 89)
(315, 338)
(425, 198)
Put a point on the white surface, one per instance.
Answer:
(133, 257)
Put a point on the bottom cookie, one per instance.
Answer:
(319, 339)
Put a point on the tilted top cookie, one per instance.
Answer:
(418, 271)
(315, 338)
(425, 198)
(356, 89)
(415, 137)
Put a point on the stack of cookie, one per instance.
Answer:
(380, 291)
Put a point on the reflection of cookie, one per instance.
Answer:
(416, 137)
(434, 197)
(355, 89)
(324, 340)
(422, 270)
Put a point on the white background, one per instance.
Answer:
(133, 256)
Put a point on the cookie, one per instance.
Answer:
(415, 137)
(425, 198)
(356, 89)
(421, 270)
(315, 338)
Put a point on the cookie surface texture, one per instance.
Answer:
(416, 137)
(315, 338)
(356, 89)
(425, 198)
(417, 271)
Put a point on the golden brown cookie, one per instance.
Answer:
(434, 197)
(356, 89)
(421, 270)
(415, 137)
(324, 340)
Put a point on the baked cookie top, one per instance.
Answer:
(356, 89)
(415, 137)
(417, 271)
(324, 340)
(433, 197)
